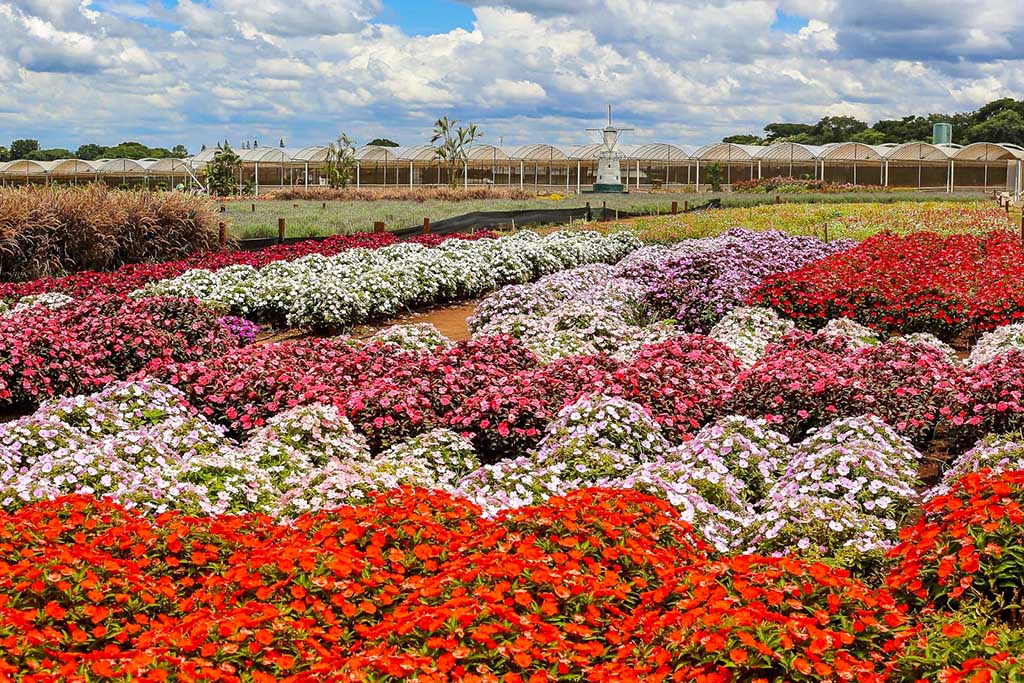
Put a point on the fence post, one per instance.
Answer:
(280, 231)
(378, 226)
(675, 208)
(686, 206)
(254, 208)
(222, 237)
(426, 225)
(589, 216)
(826, 232)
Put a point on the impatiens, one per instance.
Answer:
(922, 282)
(586, 490)
(360, 285)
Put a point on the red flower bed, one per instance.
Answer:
(491, 388)
(807, 380)
(88, 343)
(601, 585)
(967, 545)
(923, 282)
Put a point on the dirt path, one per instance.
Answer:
(449, 320)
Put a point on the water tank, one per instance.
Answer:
(942, 133)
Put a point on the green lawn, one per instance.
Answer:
(311, 218)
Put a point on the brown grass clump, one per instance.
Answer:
(413, 194)
(50, 231)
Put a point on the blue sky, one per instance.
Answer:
(425, 17)
(684, 71)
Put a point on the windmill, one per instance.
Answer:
(609, 169)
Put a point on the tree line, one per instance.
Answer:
(998, 121)
(30, 149)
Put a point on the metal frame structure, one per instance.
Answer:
(981, 165)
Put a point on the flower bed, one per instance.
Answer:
(790, 185)
(130, 277)
(417, 585)
(358, 285)
(83, 345)
(923, 282)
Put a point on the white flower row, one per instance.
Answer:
(360, 285)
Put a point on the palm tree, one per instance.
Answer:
(455, 142)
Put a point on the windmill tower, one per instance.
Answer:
(609, 168)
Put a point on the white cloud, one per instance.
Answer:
(688, 71)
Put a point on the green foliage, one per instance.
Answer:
(713, 177)
(998, 121)
(222, 172)
(743, 139)
(383, 142)
(48, 154)
(91, 152)
(179, 151)
(340, 162)
(22, 148)
(1005, 126)
(838, 129)
(455, 142)
(5, 154)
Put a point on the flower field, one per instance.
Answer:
(749, 456)
(845, 220)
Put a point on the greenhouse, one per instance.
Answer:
(914, 165)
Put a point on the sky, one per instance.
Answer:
(192, 72)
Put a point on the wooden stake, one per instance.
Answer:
(223, 208)
(686, 206)
(280, 231)
(378, 226)
(254, 208)
(778, 199)
(222, 238)
(675, 208)
(426, 225)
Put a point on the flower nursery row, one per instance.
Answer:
(923, 282)
(53, 344)
(844, 219)
(129, 277)
(359, 285)
(791, 185)
(598, 585)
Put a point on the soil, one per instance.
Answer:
(449, 320)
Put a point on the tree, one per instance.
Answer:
(282, 143)
(743, 139)
(22, 148)
(786, 130)
(179, 152)
(837, 129)
(869, 137)
(222, 171)
(5, 154)
(382, 142)
(49, 154)
(341, 159)
(1005, 126)
(91, 152)
(455, 144)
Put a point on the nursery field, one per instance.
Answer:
(678, 452)
(855, 220)
(309, 218)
